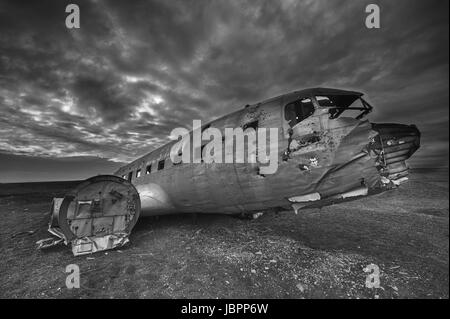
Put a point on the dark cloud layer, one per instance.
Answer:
(115, 88)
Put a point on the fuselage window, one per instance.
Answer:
(253, 125)
(138, 173)
(202, 148)
(160, 165)
(148, 169)
(180, 155)
(298, 111)
(130, 176)
(124, 176)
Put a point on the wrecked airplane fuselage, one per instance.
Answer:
(327, 153)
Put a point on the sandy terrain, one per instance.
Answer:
(316, 254)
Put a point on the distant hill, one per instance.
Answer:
(36, 187)
(429, 170)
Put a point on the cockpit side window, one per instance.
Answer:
(353, 105)
(325, 101)
(298, 111)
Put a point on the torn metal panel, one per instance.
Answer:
(299, 202)
(48, 242)
(297, 206)
(89, 245)
(360, 191)
(305, 198)
(394, 144)
(365, 159)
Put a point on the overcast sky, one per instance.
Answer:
(76, 102)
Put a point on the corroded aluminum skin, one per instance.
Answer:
(335, 158)
(97, 215)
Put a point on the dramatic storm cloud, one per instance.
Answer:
(115, 88)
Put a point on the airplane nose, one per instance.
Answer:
(393, 145)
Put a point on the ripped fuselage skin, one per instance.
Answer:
(326, 155)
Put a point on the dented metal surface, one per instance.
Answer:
(328, 153)
(394, 144)
(97, 215)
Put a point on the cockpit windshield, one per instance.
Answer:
(353, 105)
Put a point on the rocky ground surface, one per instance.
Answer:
(319, 253)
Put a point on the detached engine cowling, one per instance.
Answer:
(97, 215)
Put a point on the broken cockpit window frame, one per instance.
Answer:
(353, 105)
(299, 110)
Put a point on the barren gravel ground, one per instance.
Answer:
(316, 254)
